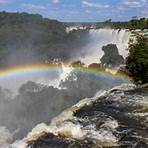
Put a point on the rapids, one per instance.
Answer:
(114, 118)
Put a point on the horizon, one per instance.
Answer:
(86, 22)
(84, 11)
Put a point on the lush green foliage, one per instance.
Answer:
(141, 23)
(23, 28)
(30, 38)
(137, 61)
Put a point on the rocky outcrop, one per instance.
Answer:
(111, 56)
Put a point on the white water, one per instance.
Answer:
(61, 125)
(92, 52)
(67, 125)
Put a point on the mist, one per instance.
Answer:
(36, 103)
(92, 51)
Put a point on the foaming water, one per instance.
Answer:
(109, 119)
(92, 52)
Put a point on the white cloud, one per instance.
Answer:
(94, 5)
(55, 1)
(144, 1)
(32, 6)
(134, 4)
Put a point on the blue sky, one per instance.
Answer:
(79, 10)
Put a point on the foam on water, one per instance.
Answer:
(76, 131)
(68, 125)
(61, 125)
(68, 114)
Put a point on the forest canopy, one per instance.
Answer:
(134, 23)
(137, 61)
(30, 38)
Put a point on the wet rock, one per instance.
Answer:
(111, 56)
(108, 120)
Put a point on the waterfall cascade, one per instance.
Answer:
(92, 52)
(114, 118)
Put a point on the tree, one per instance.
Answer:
(137, 61)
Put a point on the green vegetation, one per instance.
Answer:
(26, 28)
(141, 23)
(27, 38)
(137, 61)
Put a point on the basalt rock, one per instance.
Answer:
(111, 56)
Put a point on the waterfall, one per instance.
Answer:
(92, 52)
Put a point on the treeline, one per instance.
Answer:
(30, 37)
(133, 24)
(23, 27)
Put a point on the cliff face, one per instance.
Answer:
(115, 118)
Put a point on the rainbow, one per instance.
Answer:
(25, 70)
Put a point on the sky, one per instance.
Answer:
(79, 10)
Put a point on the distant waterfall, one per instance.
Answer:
(92, 52)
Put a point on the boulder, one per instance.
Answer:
(111, 57)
